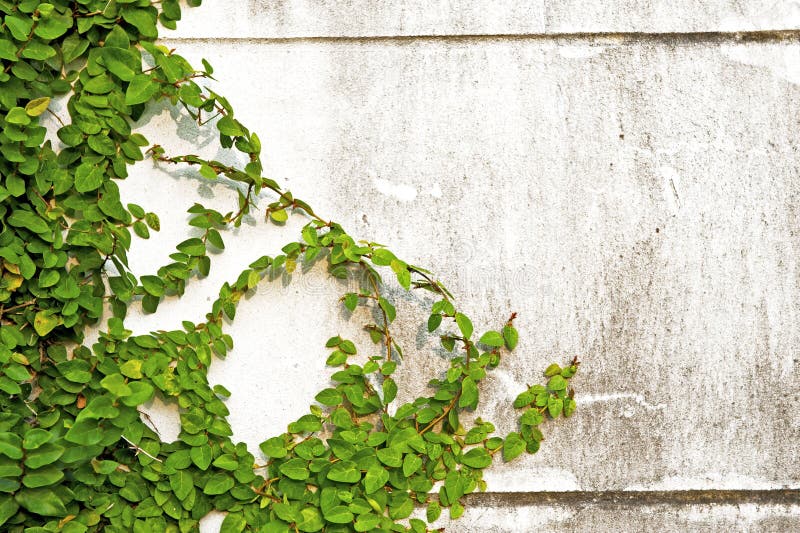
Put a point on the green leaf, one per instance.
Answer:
(152, 220)
(388, 308)
(181, 483)
(11, 445)
(569, 407)
(338, 515)
(143, 19)
(207, 172)
(102, 144)
(464, 324)
(531, 417)
(226, 461)
(411, 464)
(477, 458)
(153, 285)
(456, 510)
(99, 407)
(116, 385)
(329, 397)
(554, 406)
(351, 301)
(347, 347)
(557, 383)
(8, 508)
(132, 369)
(9, 485)
(48, 278)
(511, 337)
(141, 89)
(382, 257)
(375, 479)
(88, 177)
(201, 456)
(43, 455)
(228, 126)
(404, 278)
(492, 338)
(513, 446)
(390, 457)
(98, 85)
(280, 216)
(523, 399)
(215, 239)
(552, 370)
(274, 448)
(306, 423)
(73, 47)
(37, 106)
(367, 522)
(344, 472)
(28, 220)
(141, 392)
(233, 523)
(433, 512)
(123, 64)
(309, 519)
(35, 438)
(469, 393)
(194, 247)
(43, 477)
(8, 50)
(42, 501)
(434, 321)
(296, 469)
(17, 115)
(389, 390)
(218, 484)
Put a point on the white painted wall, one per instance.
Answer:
(635, 198)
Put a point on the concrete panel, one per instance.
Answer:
(490, 513)
(638, 204)
(361, 18)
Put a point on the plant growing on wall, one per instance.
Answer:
(75, 454)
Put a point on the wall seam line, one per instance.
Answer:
(623, 37)
(639, 498)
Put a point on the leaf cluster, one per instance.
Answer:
(76, 453)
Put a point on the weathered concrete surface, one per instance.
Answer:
(637, 203)
(498, 515)
(360, 18)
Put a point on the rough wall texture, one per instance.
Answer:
(623, 174)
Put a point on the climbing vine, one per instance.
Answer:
(75, 452)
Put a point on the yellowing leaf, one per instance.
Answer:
(44, 322)
(37, 106)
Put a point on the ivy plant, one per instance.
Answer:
(75, 452)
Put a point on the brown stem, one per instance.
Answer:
(386, 334)
(444, 414)
(16, 307)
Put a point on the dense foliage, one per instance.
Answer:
(75, 454)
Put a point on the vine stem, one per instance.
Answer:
(434, 283)
(140, 450)
(441, 416)
(16, 307)
(237, 175)
(386, 334)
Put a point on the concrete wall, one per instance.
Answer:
(623, 174)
